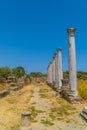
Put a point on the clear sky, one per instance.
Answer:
(32, 30)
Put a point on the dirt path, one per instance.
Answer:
(54, 113)
(40, 103)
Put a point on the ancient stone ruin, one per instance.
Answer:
(25, 121)
(84, 113)
(66, 87)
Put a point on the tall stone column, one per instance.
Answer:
(50, 73)
(53, 70)
(72, 61)
(60, 72)
(56, 71)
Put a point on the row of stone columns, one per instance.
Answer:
(54, 70)
(55, 73)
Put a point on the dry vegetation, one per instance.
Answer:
(59, 112)
(2, 87)
(82, 88)
(12, 106)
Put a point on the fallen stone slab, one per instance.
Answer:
(4, 93)
(85, 109)
(16, 88)
(84, 113)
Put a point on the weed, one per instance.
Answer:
(34, 112)
(47, 122)
(42, 95)
(52, 116)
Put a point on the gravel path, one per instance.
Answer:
(40, 103)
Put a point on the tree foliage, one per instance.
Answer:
(36, 74)
(5, 72)
(18, 72)
(80, 75)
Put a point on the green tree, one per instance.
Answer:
(36, 74)
(5, 72)
(18, 72)
(66, 74)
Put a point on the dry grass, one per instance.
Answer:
(60, 108)
(12, 106)
(2, 87)
(82, 88)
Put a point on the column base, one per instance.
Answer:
(56, 86)
(73, 93)
(58, 89)
(71, 97)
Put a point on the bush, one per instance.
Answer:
(35, 74)
(80, 75)
(5, 72)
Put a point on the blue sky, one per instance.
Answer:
(32, 30)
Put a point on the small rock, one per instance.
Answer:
(54, 94)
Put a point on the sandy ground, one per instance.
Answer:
(48, 112)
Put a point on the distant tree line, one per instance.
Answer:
(17, 72)
(6, 72)
(80, 75)
(37, 74)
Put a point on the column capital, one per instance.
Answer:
(55, 54)
(48, 66)
(50, 62)
(71, 31)
(59, 49)
(53, 57)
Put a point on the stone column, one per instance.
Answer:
(72, 62)
(50, 73)
(60, 72)
(56, 71)
(53, 70)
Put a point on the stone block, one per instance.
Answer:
(16, 88)
(54, 94)
(4, 93)
(65, 82)
(25, 121)
(84, 113)
(85, 109)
